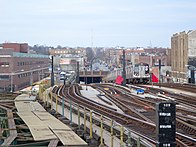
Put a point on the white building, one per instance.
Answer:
(192, 43)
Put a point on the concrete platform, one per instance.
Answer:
(91, 93)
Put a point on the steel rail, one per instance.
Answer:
(189, 129)
(123, 119)
(152, 141)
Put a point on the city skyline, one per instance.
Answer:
(95, 23)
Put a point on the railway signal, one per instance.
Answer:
(166, 124)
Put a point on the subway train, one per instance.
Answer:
(135, 74)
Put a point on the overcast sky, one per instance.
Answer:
(106, 23)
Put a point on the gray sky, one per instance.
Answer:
(108, 23)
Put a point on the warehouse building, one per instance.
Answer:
(18, 69)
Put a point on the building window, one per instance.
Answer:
(4, 77)
(4, 64)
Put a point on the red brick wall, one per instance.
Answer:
(15, 68)
(23, 48)
(15, 46)
(144, 59)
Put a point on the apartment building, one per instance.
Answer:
(183, 53)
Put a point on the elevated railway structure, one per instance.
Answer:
(148, 111)
(139, 113)
(92, 76)
(73, 94)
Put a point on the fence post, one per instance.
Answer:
(112, 137)
(91, 125)
(101, 130)
(138, 142)
(129, 139)
(46, 98)
(56, 103)
(78, 116)
(121, 136)
(51, 100)
(84, 120)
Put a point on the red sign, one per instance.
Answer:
(154, 78)
(119, 80)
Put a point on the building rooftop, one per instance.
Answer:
(11, 53)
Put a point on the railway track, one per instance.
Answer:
(181, 86)
(186, 104)
(136, 125)
(146, 129)
(8, 96)
(129, 105)
(182, 126)
(179, 98)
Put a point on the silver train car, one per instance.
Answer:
(135, 74)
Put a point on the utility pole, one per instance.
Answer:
(159, 71)
(52, 74)
(124, 72)
(77, 73)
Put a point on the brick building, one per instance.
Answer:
(139, 55)
(18, 69)
(153, 60)
(17, 47)
(183, 53)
